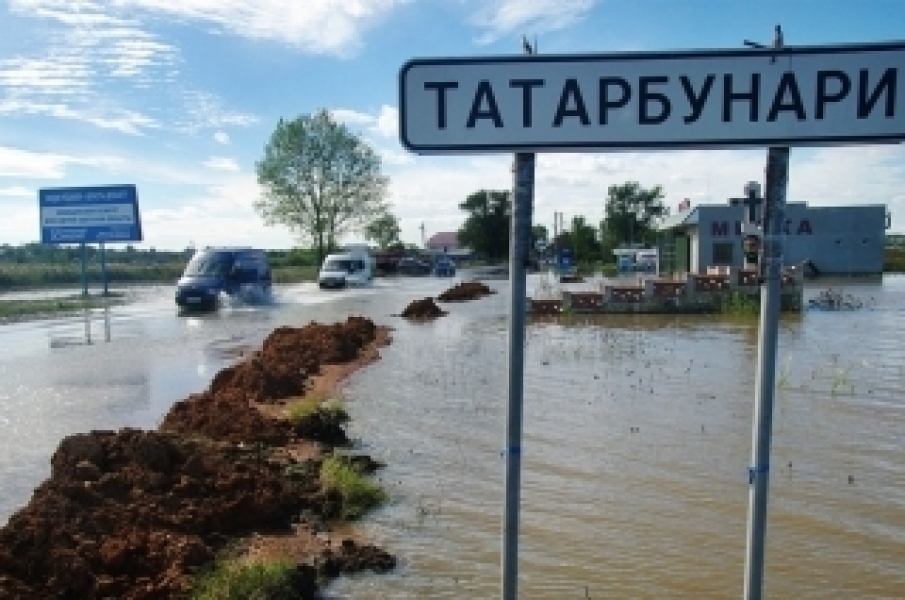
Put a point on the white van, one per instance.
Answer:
(354, 268)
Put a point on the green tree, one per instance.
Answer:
(383, 231)
(539, 234)
(320, 180)
(486, 229)
(585, 247)
(630, 212)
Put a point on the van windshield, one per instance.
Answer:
(343, 264)
(208, 264)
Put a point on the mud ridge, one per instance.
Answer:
(136, 514)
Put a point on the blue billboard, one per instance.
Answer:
(88, 215)
(564, 260)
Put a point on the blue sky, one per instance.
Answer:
(180, 96)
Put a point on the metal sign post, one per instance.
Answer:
(519, 254)
(765, 386)
(522, 204)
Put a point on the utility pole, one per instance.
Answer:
(777, 178)
(522, 207)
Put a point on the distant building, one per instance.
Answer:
(840, 240)
(447, 242)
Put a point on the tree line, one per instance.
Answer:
(631, 212)
(321, 180)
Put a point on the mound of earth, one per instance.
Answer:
(467, 290)
(134, 514)
(422, 310)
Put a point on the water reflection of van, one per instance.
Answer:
(242, 273)
(346, 269)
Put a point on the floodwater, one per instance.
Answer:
(637, 434)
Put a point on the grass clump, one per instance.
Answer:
(359, 494)
(331, 408)
(230, 580)
(740, 304)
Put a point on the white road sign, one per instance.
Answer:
(725, 98)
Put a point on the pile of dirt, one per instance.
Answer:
(423, 310)
(289, 357)
(467, 290)
(571, 279)
(133, 514)
(129, 514)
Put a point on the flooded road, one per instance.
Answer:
(636, 447)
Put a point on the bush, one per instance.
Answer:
(359, 494)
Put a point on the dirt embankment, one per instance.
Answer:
(134, 514)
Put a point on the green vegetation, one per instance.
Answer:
(319, 179)
(308, 405)
(12, 310)
(229, 580)
(359, 494)
(894, 259)
(740, 304)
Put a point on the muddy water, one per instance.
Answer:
(637, 437)
(637, 443)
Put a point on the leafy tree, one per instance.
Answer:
(384, 231)
(585, 246)
(319, 179)
(486, 229)
(631, 210)
(538, 234)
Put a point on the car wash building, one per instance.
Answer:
(837, 240)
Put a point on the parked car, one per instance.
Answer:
(411, 265)
(444, 267)
(242, 273)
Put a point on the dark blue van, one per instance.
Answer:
(237, 272)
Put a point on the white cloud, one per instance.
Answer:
(352, 117)
(221, 137)
(227, 212)
(500, 18)
(17, 191)
(25, 164)
(116, 119)
(316, 26)
(219, 163)
(94, 60)
(384, 124)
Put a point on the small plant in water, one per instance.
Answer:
(309, 405)
(359, 494)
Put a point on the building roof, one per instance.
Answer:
(444, 238)
(686, 218)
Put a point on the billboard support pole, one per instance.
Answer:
(777, 178)
(519, 249)
(84, 271)
(104, 268)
